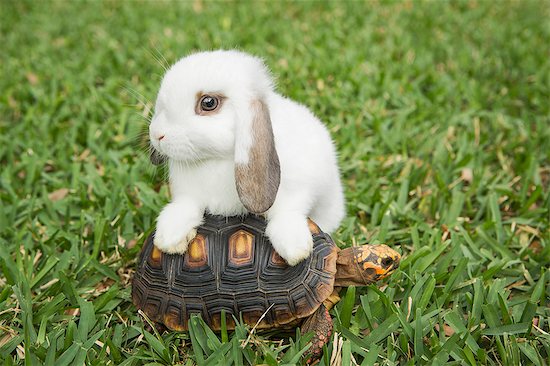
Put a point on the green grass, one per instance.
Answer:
(441, 114)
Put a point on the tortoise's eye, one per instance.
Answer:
(386, 262)
(209, 103)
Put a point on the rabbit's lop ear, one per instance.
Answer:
(156, 157)
(257, 169)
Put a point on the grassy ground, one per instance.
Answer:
(441, 115)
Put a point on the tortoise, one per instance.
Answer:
(231, 266)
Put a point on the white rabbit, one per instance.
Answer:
(235, 146)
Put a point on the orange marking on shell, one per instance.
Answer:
(277, 259)
(156, 257)
(216, 321)
(152, 310)
(313, 228)
(156, 254)
(173, 322)
(197, 252)
(241, 250)
(252, 317)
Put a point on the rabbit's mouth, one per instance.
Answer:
(181, 153)
(156, 157)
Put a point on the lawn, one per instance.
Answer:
(441, 115)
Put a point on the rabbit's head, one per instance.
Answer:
(212, 105)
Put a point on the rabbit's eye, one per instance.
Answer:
(209, 103)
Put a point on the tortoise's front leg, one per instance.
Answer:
(320, 323)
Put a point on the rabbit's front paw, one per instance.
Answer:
(173, 242)
(173, 235)
(290, 238)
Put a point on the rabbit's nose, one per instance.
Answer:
(160, 137)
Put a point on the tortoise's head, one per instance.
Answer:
(365, 264)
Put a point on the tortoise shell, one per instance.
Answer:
(231, 266)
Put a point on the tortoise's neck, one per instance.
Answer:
(349, 269)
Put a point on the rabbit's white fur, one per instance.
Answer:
(203, 151)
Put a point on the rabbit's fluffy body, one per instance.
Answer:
(204, 150)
